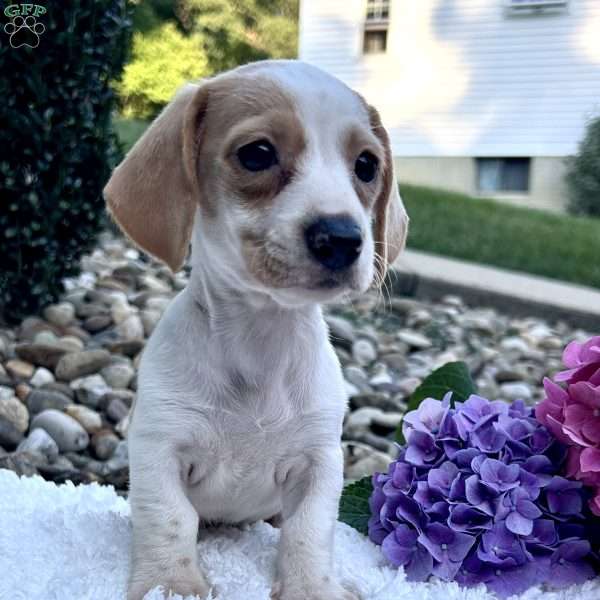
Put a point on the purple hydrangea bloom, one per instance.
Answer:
(476, 496)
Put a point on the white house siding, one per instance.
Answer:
(462, 78)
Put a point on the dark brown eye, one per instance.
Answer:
(365, 166)
(257, 156)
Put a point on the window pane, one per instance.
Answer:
(515, 175)
(503, 174)
(489, 174)
(375, 42)
(378, 10)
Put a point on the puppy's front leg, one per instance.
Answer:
(165, 527)
(310, 505)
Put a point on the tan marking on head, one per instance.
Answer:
(180, 162)
(390, 225)
(357, 140)
(244, 109)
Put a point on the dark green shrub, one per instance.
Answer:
(56, 145)
(583, 175)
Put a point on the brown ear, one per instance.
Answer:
(154, 192)
(390, 226)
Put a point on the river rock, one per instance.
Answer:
(90, 390)
(341, 331)
(61, 314)
(97, 323)
(364, 352)
(71, 343)
(517, 390)
(150, 319)
(19, 369)
(15, 412)
(41, 442)
(376, 461)
(68, 434)
(131, 328)
(10, 436)
(116, 410)
(42, 354)
(77, 364)
(42, 376)
(42, 399)
(6, 392)
(414, 339)
(104, 443)
(118, 375)
(89, 419)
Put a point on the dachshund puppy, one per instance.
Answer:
(281, 177)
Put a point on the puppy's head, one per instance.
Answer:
(289, 172)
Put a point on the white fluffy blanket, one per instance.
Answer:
(72, 543)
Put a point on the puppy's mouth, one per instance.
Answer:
(328, 284)
(275, 267)
(333, 283)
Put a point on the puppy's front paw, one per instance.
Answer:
(325, 590)
(190, 584)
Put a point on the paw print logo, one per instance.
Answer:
(24, 31)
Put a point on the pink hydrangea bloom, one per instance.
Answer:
(572, 414)
(582, 362)
(551, 411)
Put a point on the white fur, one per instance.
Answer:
(240, 397)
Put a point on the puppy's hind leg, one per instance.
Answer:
(165, 526)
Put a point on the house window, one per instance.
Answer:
(535, 6)
(376, 26)
(497, 175)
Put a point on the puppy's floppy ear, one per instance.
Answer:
(390, 226)
(153, 194)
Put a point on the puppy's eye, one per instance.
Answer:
(365, 166)
(257, 156)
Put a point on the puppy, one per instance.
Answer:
(282, 179)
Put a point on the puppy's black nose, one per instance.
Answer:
(335, 242)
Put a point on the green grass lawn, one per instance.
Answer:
(129, 130)
(485, 231)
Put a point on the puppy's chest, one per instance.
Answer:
(254, 443)
(241, 476)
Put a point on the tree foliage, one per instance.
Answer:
(243, 30)
(56, 147)
(583, 175)
(163, 59)
(189, 39)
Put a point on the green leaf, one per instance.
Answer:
(452, 377)
(354, 504)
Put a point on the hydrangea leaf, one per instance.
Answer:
(452, 377)
(354, 504)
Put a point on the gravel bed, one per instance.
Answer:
(68, 377)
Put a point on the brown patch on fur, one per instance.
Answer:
(381, 203)
(243, 108)
(150, 194)
(185, 562)
(357, 141)
(180, 162)
(390, 223)
(262, 260)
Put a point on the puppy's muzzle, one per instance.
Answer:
(335, 242)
